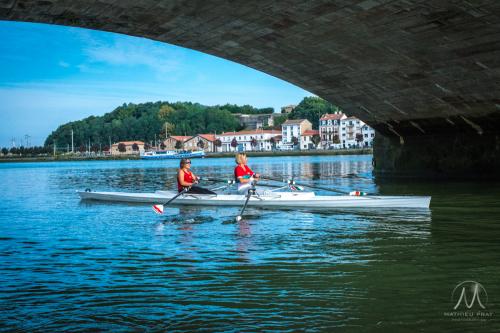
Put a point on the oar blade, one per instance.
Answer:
(158, 209)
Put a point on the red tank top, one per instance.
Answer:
(188, 177)
(242, 171)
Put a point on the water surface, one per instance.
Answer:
(74, 266)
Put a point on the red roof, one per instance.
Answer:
(180, 137)
(254, 132)
(332, 116)
(310, 132)
(209, 137)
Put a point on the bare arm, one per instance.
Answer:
(180, 178)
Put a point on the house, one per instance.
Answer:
(329, 129)
(306, 139)
(288, 108)
(176, 142)
(205, 142)
(131, 148)
(256, 121)
(341, 131)
(251, 140)
(292, 131)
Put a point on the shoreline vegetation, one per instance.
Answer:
(62, 158)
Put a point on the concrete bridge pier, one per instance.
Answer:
(460, 155)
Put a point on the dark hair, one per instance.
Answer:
(183, 162)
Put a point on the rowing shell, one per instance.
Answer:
(269, 199)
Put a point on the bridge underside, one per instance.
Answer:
(424, 74)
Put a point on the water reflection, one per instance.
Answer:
(71, 265)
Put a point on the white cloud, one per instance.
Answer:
(137, 52)
(63, 64)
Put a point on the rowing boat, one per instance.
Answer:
(289, 200)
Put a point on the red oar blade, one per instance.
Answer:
(158, 209)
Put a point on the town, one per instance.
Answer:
(336, 131)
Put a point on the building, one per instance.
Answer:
(329, 129)
(256, 121)
(288, 108)
(292, 131)
(307, 141)
(129, 148)
(251, 140)
(205, 142)
(171, 143)
(340, 131)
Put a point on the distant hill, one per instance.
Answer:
(144, 121)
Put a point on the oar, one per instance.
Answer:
(293, 182)
(158, 209)
(238, 218)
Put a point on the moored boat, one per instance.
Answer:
(289, 200)
(171, 154)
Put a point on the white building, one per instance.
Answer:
(261, 140)
(306, 139)
(329, 130)
(292, 131)
(340, 131)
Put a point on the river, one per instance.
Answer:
(67, 265)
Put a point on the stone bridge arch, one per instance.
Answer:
(424, 74)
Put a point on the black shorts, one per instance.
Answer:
(199, 190)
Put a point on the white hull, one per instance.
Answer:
(273, 199)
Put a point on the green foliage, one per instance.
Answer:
(122, 148)
(143, 121)
(28, 151)
(178, 145)
(245, 109)
(312, 108)
(280, 120)
(316, 139)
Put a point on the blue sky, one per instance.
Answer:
(51, 74)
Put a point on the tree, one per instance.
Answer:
(82, 149)
(5, 151)
(234, 143)
(336, 139)
(312, 108)
(94, 148)
(359, 138)
(316, 139)
(121, 147)
(295, 140)
(135, 147)
(279, 120)
(273, 142)
(105, 148)
(218, 143)
(253, 143)
(179, 144)
(201, 144)
(162, 145)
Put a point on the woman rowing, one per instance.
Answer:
(243, 175)
(186, 179)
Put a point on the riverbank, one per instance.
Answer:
(361, 151)
(62, 158)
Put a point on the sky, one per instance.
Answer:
(50, 75)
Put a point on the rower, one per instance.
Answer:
(243, 175)
(187, 179)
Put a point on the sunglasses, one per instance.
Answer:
(188, 162)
